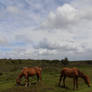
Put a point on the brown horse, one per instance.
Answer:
(75, 74)
(26, 72)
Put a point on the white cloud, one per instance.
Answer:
(64, 32)
(47, 52)
(70, 20)
(13, 9)
(3, 40)
(63, 17)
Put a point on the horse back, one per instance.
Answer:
(32, 70)
(70, 72)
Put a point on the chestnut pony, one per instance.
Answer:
(75, 74)
(29, 71)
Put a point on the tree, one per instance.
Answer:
(65, 61)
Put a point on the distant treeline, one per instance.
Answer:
(64, 61)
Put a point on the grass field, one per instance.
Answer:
(9, 70)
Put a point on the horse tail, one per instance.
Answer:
(60, 78)
(62, 73)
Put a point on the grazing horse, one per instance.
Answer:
(29, 71)
(75, 74)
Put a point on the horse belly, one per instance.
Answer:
(69, 74)
(32, 73)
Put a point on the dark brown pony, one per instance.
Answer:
(26, 72)
(75, 74)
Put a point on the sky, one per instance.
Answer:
(46, 29)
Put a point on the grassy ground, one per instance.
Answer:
(50, 77)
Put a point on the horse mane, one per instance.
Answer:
(81, 74)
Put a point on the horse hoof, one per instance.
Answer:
(26, 86)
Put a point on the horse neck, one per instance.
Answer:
(81, 74)
(20, 75)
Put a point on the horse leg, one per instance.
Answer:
(60, 80)
(40, 76)
(74, 83)
(77, 83)
(27, 80)
(37, 77)
(64, 81)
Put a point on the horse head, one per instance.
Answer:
(87, 81)
(18, 81)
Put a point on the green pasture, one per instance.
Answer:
(50, 77)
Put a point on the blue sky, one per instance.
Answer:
(46, 29)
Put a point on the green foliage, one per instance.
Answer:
(65, 61)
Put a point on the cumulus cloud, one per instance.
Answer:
(63, 17)
(67, 45)
(3, 40)
(74, 20)
(46, 29)
(13, 9)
